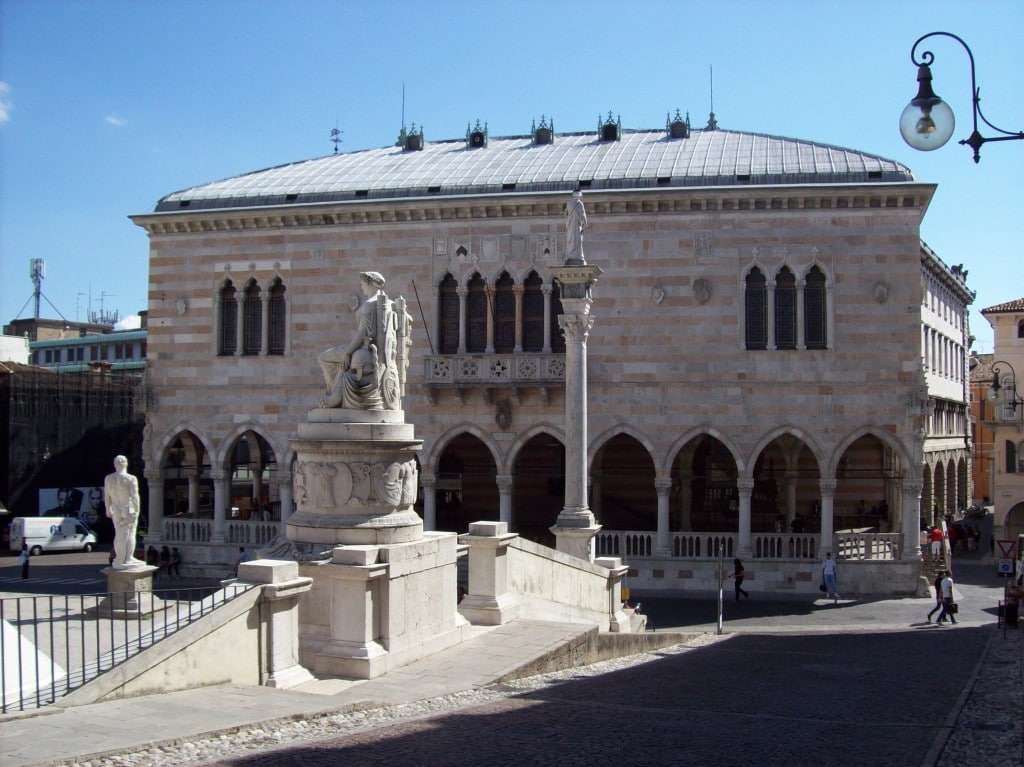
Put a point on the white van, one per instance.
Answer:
(51, 534)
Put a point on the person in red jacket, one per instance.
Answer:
(936, 538)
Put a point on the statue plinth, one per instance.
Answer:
(355, 479)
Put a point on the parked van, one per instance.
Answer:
(51, 534)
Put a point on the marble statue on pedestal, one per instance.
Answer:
(575, 223)
(123, 505)
(368, 372)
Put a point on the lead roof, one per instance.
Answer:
(638, 159)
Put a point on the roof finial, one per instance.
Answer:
(336, 137)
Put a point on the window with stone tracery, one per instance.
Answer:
(476, 316)
(785, 309)
(756, 310)
(252, 319)
(276, 320)
(504, 315)
(815, 310)
(228, 320)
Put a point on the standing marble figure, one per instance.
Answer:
(575, 222)
(122, 493)
(366, 373)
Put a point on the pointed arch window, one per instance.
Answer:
(252, 314)
(785, 309)
(533, 313)
(815, 310)
(504, 315)
(228, 341)
(476, 316)
(1011, 457)
(276, 325)
(448, 332)
(755, 306)
(557, 336)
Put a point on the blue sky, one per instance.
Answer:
(106, 106)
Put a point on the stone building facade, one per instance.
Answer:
(777, 363)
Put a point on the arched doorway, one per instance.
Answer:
(253, 488)
(466, 490)
(624, 496)
(787, 485)
(704, 496)
(538, 490)
(185, 469)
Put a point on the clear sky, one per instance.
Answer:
(107, 105)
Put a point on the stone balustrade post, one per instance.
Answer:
(489, 602)
(282, 588)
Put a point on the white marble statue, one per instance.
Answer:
(123, 505)
(575, 223)
(366, 373)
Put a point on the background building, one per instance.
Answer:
(1007, 418)
(772, 342)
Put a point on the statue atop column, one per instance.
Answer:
(368, 373)
(575, 223)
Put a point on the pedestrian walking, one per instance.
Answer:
(948, 607)
(938, 594)
(828, 574)
(936, 538)
(737, 574)
(175, 562)
(23, 557)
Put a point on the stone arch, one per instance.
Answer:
(623, 492)
(690, 436)
(525, 436)
(465, 484)
(798, 434)
(597, 443)
(538, 484)
(704, 472)
(786, 470)
(442, 442)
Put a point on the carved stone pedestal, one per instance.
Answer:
(384, 592)
(129, 592)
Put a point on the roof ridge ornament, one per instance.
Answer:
(410, 141)
(678, 127)
(476, 138)
(544, 133)
(610, 129)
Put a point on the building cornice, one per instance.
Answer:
(603, 202)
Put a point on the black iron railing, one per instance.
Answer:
(51, 645)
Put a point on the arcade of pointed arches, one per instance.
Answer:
(703, 482)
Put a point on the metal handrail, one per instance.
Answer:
(52, 645)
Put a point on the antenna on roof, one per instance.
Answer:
(336, 137)
(712, 122)
(403, 106)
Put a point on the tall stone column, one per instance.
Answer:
(193, 491)
(663, 486)
(575, 528)
(221, 501)
(911, 521)
(828, 492)
(745, 488)
(155, 482)
(429, 484)
(504, 498)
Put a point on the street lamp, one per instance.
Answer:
(928, 122)
(996, 388)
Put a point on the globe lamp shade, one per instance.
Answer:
(927, 126)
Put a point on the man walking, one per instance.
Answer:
(947, 600)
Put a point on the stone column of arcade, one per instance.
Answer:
(384, 590)
(575, 527)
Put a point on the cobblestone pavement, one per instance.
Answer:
(841, 698)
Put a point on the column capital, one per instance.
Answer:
(745, 485)
(913, 488)
(218, 475)
(663, 484)
(576, 326)
(504, 482)
(428, 480)
(153, 474)
(827, 487)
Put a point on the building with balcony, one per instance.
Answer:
(777, 364)
(1006, 418)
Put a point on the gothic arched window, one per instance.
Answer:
(448, 316)
(755, 306)
(277, 324)
(228, 341)
(476, 316)
(815, 310)
(785, 309)
(252, 319)
(504, 315)
(533, 313)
